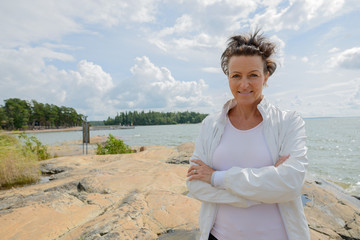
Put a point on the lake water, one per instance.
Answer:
(334, 145)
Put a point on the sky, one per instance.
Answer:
(103, 57)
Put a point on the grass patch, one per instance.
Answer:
(18, 164)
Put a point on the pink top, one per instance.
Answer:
(245, 149)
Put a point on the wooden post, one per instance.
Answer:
(86, 134)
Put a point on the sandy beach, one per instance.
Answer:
(45, 130)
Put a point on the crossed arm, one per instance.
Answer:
(203, 172)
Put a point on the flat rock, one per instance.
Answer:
(130, 196)
(184, 152)
(330, 214)
(137, 196)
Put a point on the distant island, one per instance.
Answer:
(151, 118)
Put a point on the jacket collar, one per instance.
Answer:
(263, 108)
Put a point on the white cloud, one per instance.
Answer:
(153, 87)
(271, 3)
(91, 75)
(25, 74)
(280, 45)
(28, 63)
(332, 99)
(206, 3)
(205, 26)
(88, 87)
(301, 14)
(183, 24)
(212, 69)
(194, 46)
(305, 59)
(113, 12)
(23, 22)
(354, 99)
(334, 50)
(349, 58)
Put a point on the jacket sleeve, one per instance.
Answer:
(205, 192)
(275, 184)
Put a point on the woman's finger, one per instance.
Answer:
(282, 160)
(193, 167)
(195, 176)
(202, 177)
(278, 163)
(192, 172)
(198, 161)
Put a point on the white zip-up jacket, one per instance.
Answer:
(284, 132)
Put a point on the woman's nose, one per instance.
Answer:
(244, 83)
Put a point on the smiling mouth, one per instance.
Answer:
(245, 93)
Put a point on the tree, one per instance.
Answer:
(37, 114)
(18, 113)
(3, 117)
(154, 118)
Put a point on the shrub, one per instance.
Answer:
(113, 146)
(18, 164)
(35, 146)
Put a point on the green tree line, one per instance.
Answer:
(154, 118)
(18, 114)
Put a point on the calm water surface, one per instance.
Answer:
(334, 144)
(334, 150)
(168, 135)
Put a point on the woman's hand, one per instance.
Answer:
(200, 172)
(282, 160)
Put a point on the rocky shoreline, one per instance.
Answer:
(140, 196)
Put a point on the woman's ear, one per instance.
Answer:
(266, 79)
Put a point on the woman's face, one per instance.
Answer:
(247, 79)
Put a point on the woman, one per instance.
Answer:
(250, 160)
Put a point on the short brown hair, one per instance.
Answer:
(250, 45)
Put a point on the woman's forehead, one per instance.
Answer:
(246, 62)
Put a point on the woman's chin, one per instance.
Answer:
(247, 100)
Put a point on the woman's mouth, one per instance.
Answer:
(245, 93)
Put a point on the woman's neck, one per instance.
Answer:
(245, 112)
(245, 117)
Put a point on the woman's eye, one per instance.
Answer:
(253, 75)
(236, 76)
